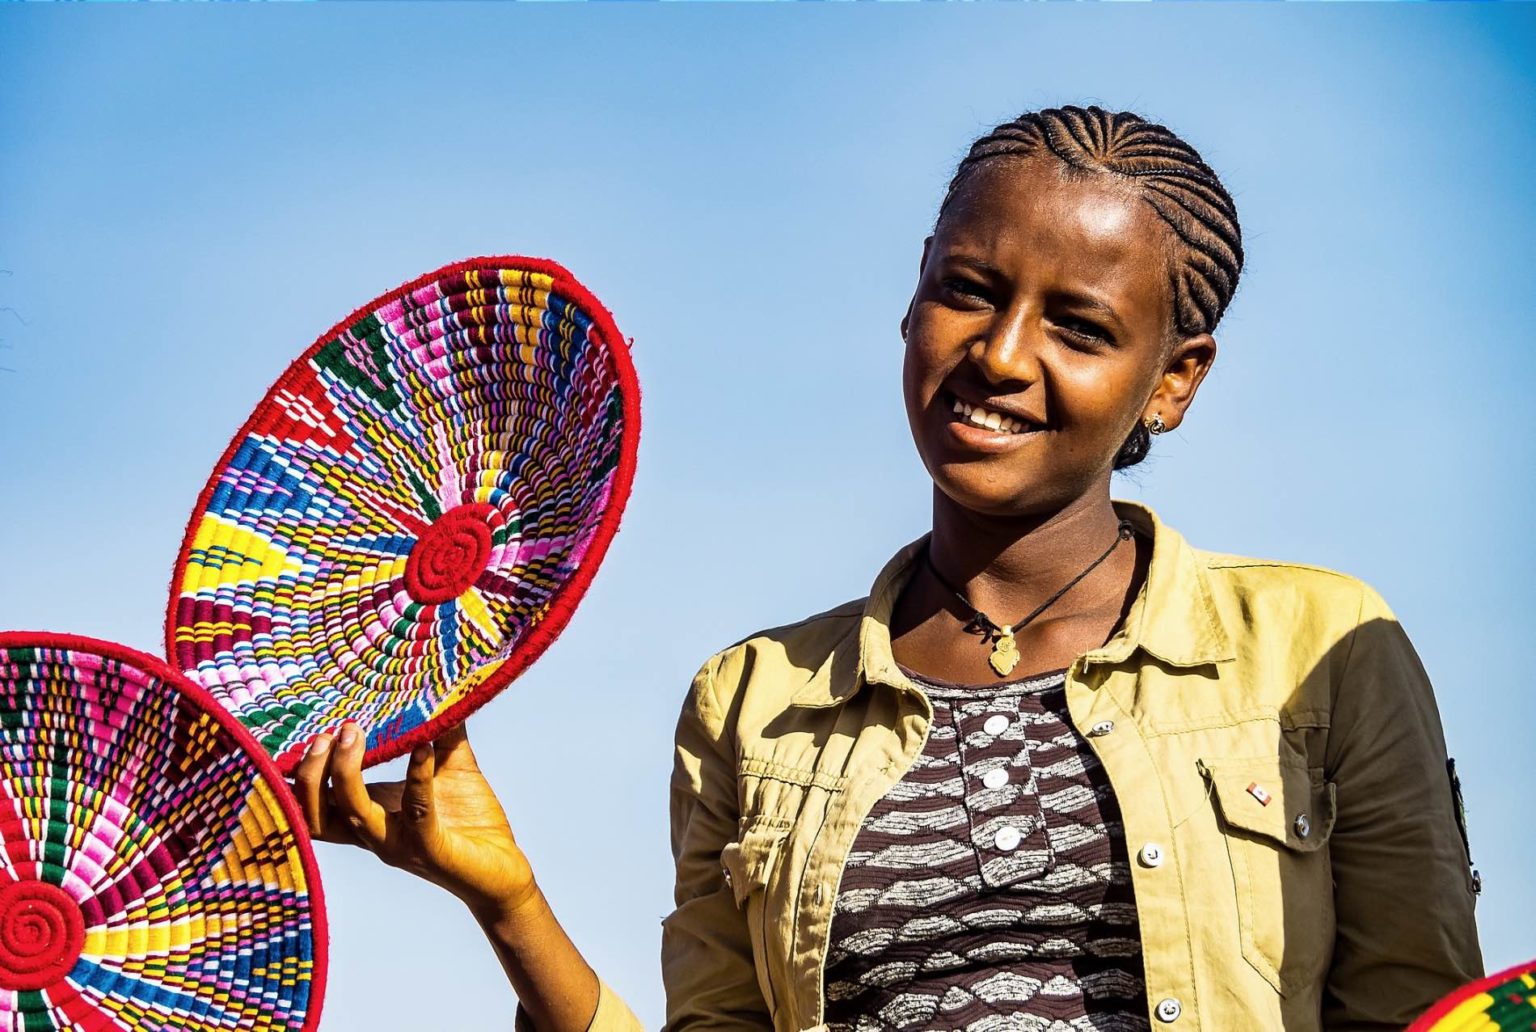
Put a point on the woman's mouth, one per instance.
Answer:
(983, 418)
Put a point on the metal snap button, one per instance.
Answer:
(1152, 854)
(1169, 1010)
(1303, 826)
(1101, 729)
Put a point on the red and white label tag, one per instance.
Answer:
(1260, 793)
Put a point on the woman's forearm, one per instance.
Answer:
(558, 990)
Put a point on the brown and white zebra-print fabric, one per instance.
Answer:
(990, 889)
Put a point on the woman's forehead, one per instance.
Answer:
(1009, 199)
(1035, 212)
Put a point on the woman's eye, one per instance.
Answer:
(965, 290)
(1083, 330)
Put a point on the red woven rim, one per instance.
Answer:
(1451, 1001)
(565, 599)
(264, 766)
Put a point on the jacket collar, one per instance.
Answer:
(1173, 618)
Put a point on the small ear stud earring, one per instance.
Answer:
(1156, 425)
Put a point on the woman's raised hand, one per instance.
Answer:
(442, 823)
(445, 824)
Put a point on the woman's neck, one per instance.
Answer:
(1007, 566)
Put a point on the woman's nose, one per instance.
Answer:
(1010, 350)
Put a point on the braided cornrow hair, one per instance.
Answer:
(1173, 179)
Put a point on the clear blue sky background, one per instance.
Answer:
(189, 195)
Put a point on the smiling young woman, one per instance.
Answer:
(1218, 796)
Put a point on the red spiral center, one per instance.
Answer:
(450, 554)
(41, 934)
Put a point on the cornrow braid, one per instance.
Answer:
(1172, 178)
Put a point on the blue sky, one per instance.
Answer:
(188, 196)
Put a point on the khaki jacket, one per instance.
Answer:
(1343, 902)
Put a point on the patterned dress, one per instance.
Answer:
(990, 888)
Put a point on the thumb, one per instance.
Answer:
(417, 807)
(453, 751)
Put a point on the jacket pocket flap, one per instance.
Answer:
(748, 861)
(1274, 800)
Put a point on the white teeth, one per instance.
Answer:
(988, 420)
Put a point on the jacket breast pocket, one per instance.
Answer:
(1277, 817)
(749, 864)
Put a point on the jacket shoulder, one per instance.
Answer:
(1319, 596)
(1241, 569)
(776, 661)
(804, 644)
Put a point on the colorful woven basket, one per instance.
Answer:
(412, 513)
(1499, 1003)
(154, 871)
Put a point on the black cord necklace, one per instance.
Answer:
(1005, 650)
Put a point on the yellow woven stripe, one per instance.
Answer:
(1471, 1015)
(520, 277)
(106, 943)
(259, 824)
(232, 554)
(472, 605)
(467, 684)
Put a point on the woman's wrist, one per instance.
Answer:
(511, 904)
(555, 986)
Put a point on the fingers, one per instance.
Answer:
(416, 803)
(366, 818)
(353, 811)
(309, 787)
(452, 751)
(308, 784)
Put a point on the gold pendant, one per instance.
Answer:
(1005, 652)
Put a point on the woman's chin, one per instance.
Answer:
(968, 487)
(984, 498)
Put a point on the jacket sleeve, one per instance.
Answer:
(612, 1014)
(706, 952)
(1402, 886)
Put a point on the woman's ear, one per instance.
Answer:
(1188, 362)
(921, 265)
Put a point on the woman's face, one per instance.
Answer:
(1042, 312)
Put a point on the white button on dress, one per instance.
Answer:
(1008, 839)
(995, 778)
(996, 724)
